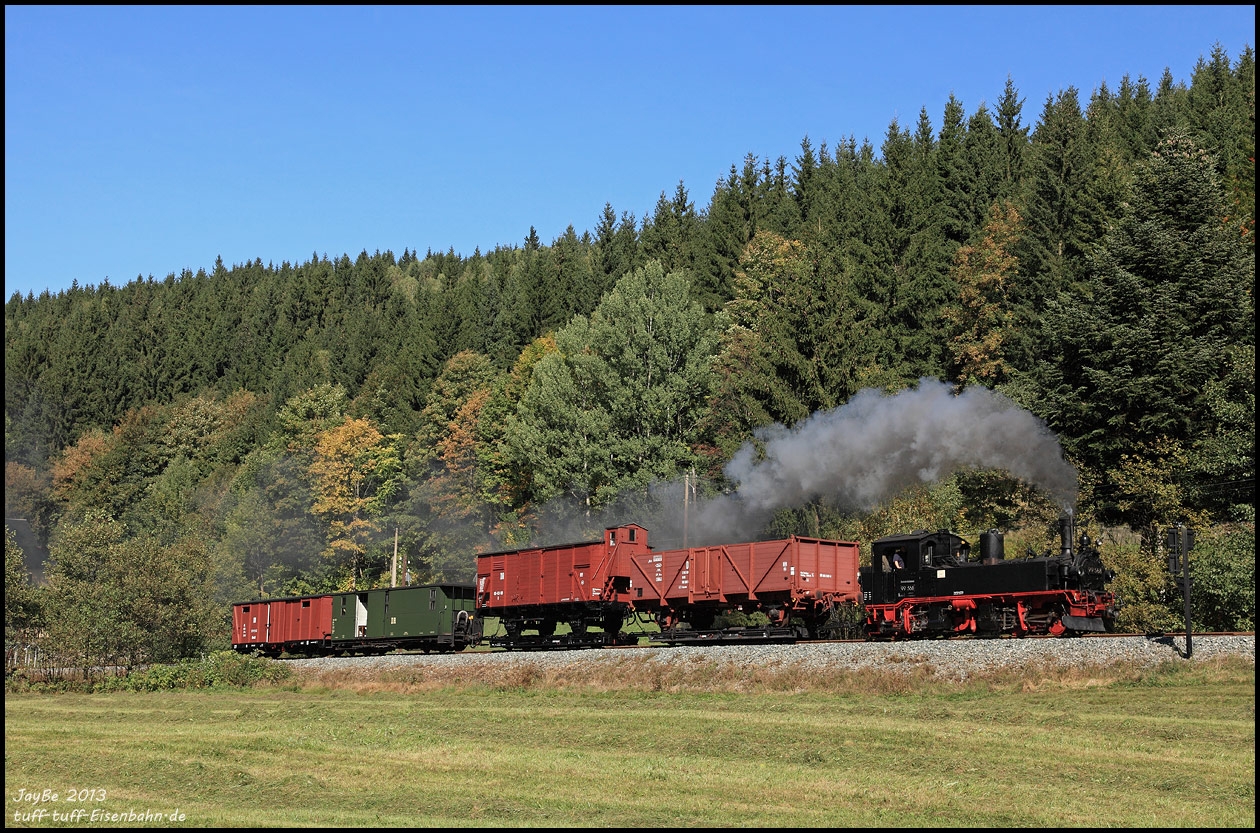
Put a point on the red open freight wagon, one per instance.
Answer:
(697, 593)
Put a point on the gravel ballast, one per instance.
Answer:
(956, 659)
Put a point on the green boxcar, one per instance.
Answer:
(430, 617)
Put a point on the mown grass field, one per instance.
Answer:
(1115, 747)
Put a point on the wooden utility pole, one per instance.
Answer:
(393, 578)
(689, 485)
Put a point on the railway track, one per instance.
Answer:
(558, 646)
(1193, 635)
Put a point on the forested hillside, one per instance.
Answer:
(264, 429)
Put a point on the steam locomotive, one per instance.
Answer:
(927, 584)
(918, 585)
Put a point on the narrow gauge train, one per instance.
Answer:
(698, 594)
(917, 585)
(432, 617)
(926, 584)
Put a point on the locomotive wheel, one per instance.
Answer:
(1056, 626)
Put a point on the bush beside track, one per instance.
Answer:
(219, 670)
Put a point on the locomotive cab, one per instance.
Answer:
(910, 565)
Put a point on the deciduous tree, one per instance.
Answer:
(355, 472)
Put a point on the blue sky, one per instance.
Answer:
(147, 140)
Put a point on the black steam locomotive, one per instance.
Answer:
(931, 584)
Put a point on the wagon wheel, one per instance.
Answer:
(612, 622)
(702, 620)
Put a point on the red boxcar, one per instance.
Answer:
(796, 583)
(275, 625)
(560, 574)
(583, 584)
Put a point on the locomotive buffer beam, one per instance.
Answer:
(1083, 623)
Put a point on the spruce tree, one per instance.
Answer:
(1143, 358)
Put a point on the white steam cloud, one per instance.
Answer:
(857, 457)
(862, 454)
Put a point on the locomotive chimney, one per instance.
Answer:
(992, 547)
(1066, 533)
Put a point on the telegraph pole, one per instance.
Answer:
(688, 489)
(686, 495)
(393, 577)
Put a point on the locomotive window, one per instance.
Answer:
(927, 554)
(432, 597)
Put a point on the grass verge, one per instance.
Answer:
(1107, 747)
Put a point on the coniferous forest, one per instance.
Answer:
(179, 443)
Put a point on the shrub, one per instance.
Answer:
(222, 669)
(232, 669)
